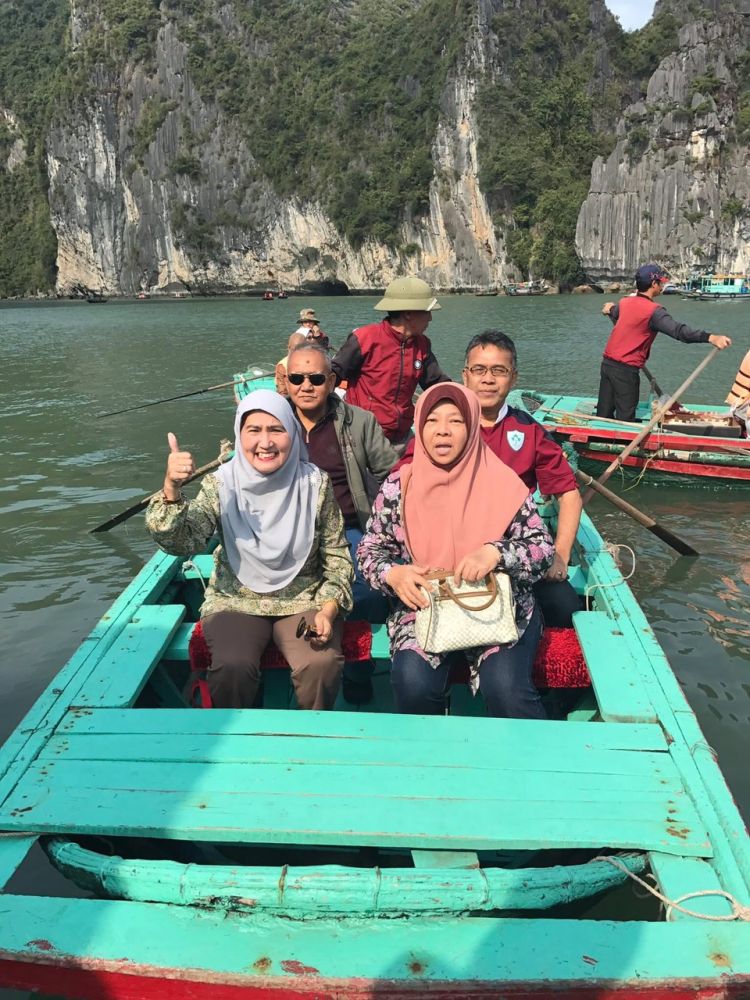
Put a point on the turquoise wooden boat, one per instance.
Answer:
(276, 853)
(696, 446)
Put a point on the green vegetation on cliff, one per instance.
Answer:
(339, 103)
(32, 36)
(546, 118)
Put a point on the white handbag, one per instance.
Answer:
(472, 614)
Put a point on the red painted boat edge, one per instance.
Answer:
(97, 981)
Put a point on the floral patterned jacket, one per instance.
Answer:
(185, 528)
(526, 548)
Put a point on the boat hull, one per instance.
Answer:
(665, 457)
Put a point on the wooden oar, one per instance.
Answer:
(257, 373)
(142, 504)
(658, 414)
(648, 522)
(655, 387)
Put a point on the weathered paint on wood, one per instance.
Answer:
(492, 956)
(676, 877)
(123, 670)
(335, 889)
(619, 693)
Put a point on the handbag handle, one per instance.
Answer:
(445, 590)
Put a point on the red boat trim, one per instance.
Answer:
(98, 982)
(672, 442)
(698, 469)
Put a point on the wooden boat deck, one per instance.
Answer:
(357, 780)
(91, 758)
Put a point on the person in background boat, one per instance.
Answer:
(347, 443)
(280, 371)
(456, 506)
(310, 328)
(738, 399)
(384, 362)
(637, 319)
(282, 562)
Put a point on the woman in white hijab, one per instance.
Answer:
(282, 556)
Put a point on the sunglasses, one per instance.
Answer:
(297, 378)
(305, 631)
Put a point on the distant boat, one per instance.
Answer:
(716, 287)
(142, 295)
(96, 298)
(526, 288)
(268, 296)
(281, 294)
(489, 291)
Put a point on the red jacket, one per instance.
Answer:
(383, 369)
(631, 338)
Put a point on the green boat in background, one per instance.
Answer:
(275, 853)
(694, 446)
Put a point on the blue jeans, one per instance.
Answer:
(505, 679)
(369, 606)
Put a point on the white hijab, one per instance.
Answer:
(268, 520)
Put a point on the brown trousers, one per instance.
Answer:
(237, 642)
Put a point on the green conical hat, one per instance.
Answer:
(408, 294)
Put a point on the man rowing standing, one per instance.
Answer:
(637, 320)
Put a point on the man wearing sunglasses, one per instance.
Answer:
(347, 443)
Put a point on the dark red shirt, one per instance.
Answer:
(325, 452)
(526, 448)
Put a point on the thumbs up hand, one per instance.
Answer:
(180, 467)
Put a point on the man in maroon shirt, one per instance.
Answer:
(637, 320)
(384, 362)
(491, 371)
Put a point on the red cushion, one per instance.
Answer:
(559, 662)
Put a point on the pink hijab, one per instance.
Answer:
(448, 512)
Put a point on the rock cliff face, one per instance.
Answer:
(214, 222)
(676, 187)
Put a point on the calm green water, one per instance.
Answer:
(64, 471)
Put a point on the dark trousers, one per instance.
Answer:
(369, 606)
(505, 679)
(619, 388)
(237, 642)
(557, 601)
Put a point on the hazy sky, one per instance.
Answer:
(632, 13)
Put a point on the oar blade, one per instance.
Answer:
(677, 543)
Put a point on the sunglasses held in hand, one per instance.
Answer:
(305, 631)
(297, 378)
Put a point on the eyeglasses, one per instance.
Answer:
(305, 631)
(497, 371)
(297, 378)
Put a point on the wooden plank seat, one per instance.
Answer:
(618, 687)
(357, 779)
(121, 673)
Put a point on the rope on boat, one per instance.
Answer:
(739, 910)
(612, 549)
(191, 565)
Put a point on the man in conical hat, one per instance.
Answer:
(384, 362)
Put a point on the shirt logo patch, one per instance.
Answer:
(516, 439)
(417, 364)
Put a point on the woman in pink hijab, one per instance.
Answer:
(456, 506)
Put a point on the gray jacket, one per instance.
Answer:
(368, 454)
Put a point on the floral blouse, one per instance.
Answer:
(526, 548)
(184, 528)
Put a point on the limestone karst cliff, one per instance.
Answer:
(231, 144)
(676, 186)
